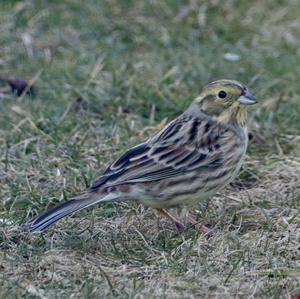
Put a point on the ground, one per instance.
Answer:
(108, 74)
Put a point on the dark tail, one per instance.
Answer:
(43, 221)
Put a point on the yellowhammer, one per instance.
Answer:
(189, 160)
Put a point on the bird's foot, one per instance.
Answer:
(180, 226)
(202, 228)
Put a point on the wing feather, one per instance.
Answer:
(185, 145)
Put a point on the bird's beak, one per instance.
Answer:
(247, 98)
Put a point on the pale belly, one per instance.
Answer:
(185, 194)
(194, 187)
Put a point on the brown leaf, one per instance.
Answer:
(18, 86)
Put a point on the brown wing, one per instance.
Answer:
(185, 145)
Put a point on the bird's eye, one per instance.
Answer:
(222, 94)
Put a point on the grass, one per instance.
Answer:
(107, 75)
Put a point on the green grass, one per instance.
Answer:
(107, 75)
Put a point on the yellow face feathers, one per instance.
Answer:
(226, 100)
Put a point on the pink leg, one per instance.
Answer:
(178, 224)
(200, 227)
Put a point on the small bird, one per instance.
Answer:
(188, 161)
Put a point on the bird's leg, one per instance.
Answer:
(178, 224)
(191, 220)
(199, 226)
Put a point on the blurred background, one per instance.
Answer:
(81, 81)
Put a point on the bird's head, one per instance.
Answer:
(226, 101)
